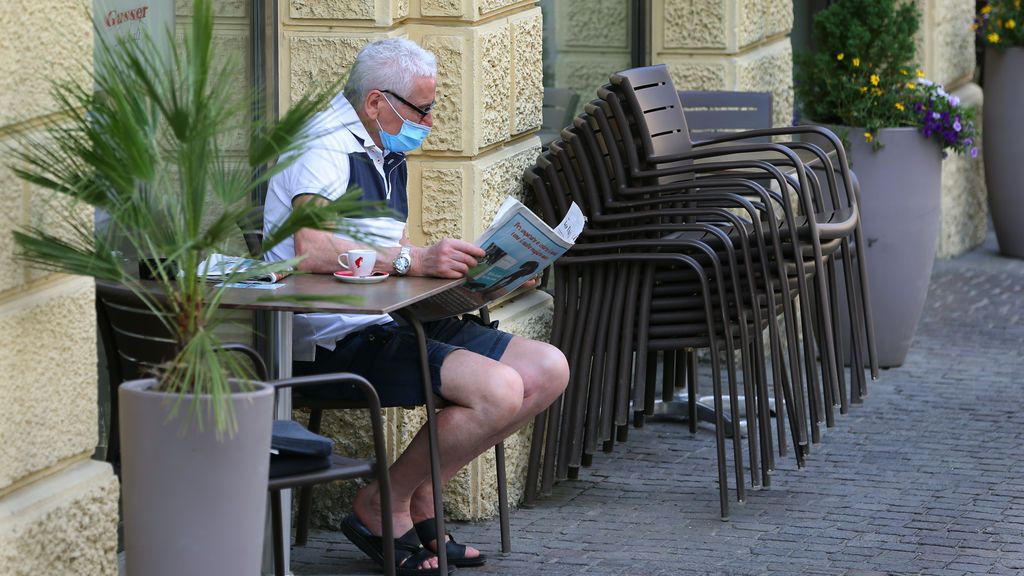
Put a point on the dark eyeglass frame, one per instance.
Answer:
(423, 112)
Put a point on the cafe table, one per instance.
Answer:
(395, 295)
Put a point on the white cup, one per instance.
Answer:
(359, 262)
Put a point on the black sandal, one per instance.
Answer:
(409, 554)
(426, 530)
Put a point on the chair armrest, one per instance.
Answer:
(257, 361)
(361, 383)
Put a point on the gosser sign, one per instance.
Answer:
(117, 17)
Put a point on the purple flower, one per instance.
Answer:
(957, 126)
(974, 152)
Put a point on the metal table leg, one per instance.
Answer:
(435, 456)
(278, 354)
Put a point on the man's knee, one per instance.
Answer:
(552, 369)
(501, 392)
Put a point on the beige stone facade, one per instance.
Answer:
(58, 509)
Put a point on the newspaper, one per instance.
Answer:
(519, 246)
(219, 267)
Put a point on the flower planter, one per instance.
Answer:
(1002, 130)
(900, 194)
(193, 503)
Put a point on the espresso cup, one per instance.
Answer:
(359, 262)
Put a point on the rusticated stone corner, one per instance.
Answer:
(528, 69)
(450, 114)
(493, 73)
(770, 69)
(332, 9)
(446, 8)
(442, 202)
(693, 74)
(317, 61)
(500, 174)
(692, 24)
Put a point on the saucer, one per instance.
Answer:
(346, 276)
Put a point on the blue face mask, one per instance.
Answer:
(409, 137)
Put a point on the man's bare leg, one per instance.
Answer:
(484, 396)
(544, 373)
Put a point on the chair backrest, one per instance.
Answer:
(252, 229)
(717, 113)
(651, 98)
(558, 110)
(133, 336)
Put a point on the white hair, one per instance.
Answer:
(389, 64)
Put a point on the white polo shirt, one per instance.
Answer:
(343, 155)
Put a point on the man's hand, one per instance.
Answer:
(449, 258)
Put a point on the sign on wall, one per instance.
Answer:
(136, 18)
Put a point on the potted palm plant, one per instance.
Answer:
(862, 81)
(1000, 26)
(144, 144)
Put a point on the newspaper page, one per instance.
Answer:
(519, 246)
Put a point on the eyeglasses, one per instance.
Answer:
(421, 111)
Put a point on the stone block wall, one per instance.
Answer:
(738, 45)
(489, 95)
(58, 509)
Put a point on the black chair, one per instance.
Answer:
(136, 343)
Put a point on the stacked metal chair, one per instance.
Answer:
(694, 246)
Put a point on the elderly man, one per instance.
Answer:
(490, 383)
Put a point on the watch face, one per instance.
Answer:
(401, 264)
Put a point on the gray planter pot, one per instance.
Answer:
(193, 503)
(900, 196)
(1003, 125)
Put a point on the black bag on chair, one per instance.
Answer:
(296, 450)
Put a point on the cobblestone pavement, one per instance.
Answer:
(926, 477)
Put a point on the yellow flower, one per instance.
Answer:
(910, 85)
(876, 91)
(993, 38)
(863, 89)
(874, 79)
(1016, 3)
(903, 72)
(856, 62)
(900, 106)
(840, 56)
(1011, 24)
(868, 137)
(986, 9)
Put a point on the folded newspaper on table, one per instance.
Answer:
(218, 267)
(518, 246)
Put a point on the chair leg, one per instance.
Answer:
(499, 462)
(306, 492)
(275, 519)
(302, 519)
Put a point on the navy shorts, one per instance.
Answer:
(387, 356)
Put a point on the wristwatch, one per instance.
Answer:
(403, 262)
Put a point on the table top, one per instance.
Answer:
(384, 297)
